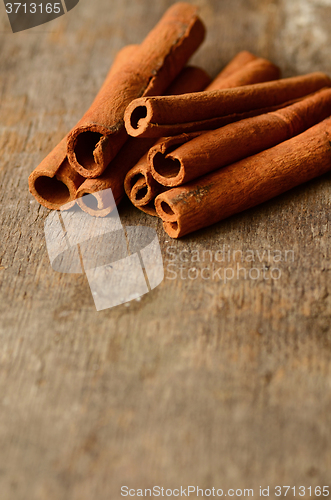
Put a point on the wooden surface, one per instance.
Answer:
(200, 382)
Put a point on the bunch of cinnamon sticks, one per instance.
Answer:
(187, 149)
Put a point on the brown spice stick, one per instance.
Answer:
(191, 78)
(246, 183)
(257, 71)
(237, 63)
(160, 116)
(231, 143)
(100, 134)
(214, 123)
(54, 183)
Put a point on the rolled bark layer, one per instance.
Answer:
(140, 186)
(100, 204)
(246, 183)
(256, 71)
(54, 183)
(231, 143)
(190, 78)
(161, 116)
(237, 63)
(100, 134)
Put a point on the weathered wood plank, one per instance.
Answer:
(199, 382)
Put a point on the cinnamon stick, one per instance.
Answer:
(141, 188)
(246, 183)
(100, 204)
(162, 116)
(257, 71)
(190, 79)
(54, 183)
(100, 134)
(231, 143)
(237, 63)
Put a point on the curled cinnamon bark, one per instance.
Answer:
(237, 63)
(163, 116)
(231, 143)
(246, 183)
(191, 79)
(100, 203)
(100, 134)
(54, 183)
(257, 71)
(140, 186)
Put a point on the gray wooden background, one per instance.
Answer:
(200, 382)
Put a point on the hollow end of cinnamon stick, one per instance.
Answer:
(141, 191)
(137, 117)
(166, 170)
(89, 149)
(172, 229)
(54, 184)
(138, 188)
(165, 210)
(50, 191)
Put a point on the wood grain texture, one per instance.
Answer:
(199, 382)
